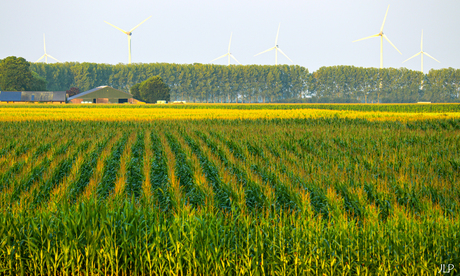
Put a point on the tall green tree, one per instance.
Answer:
(135, 91)
(15, 74)
(154, 89)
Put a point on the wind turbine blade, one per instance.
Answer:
(381, 29)
(412, 56)
(265, 51)
(376, 35)
(40, 58)
(391, 43)
(431, 57)
(277, 33)
(140, 24)
(116, 27)
(219, 57)
(230, 42)
(421, 43)
(44, 44)
(235, 59)
(285, 55)
(53, 58)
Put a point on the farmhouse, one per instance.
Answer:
(103, 94)
(32, 96)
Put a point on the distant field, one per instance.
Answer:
(412, 112)
(211, 191)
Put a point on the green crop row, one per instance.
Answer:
(134, 173)
(97, 240)
(111, 166)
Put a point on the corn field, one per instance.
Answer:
(324, 195)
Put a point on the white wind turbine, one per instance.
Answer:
(129, 33)
(276, 48)
(45, 55)
(228, 53)
(421, 53)
(382, 36)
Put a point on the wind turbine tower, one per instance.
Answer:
(228, 53)
(382, 36)
(129, 33)
(45, 55)
(276, 48)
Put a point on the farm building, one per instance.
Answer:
(32, 96)
(103, 94)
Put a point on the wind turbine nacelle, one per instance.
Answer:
(128, 33)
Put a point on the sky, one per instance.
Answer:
(312, 34)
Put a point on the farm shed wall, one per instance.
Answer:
(32, 96)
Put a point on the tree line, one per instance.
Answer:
(389, 85)
(262, 83)
(188, 82)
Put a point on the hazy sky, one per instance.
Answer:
(313, 33)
